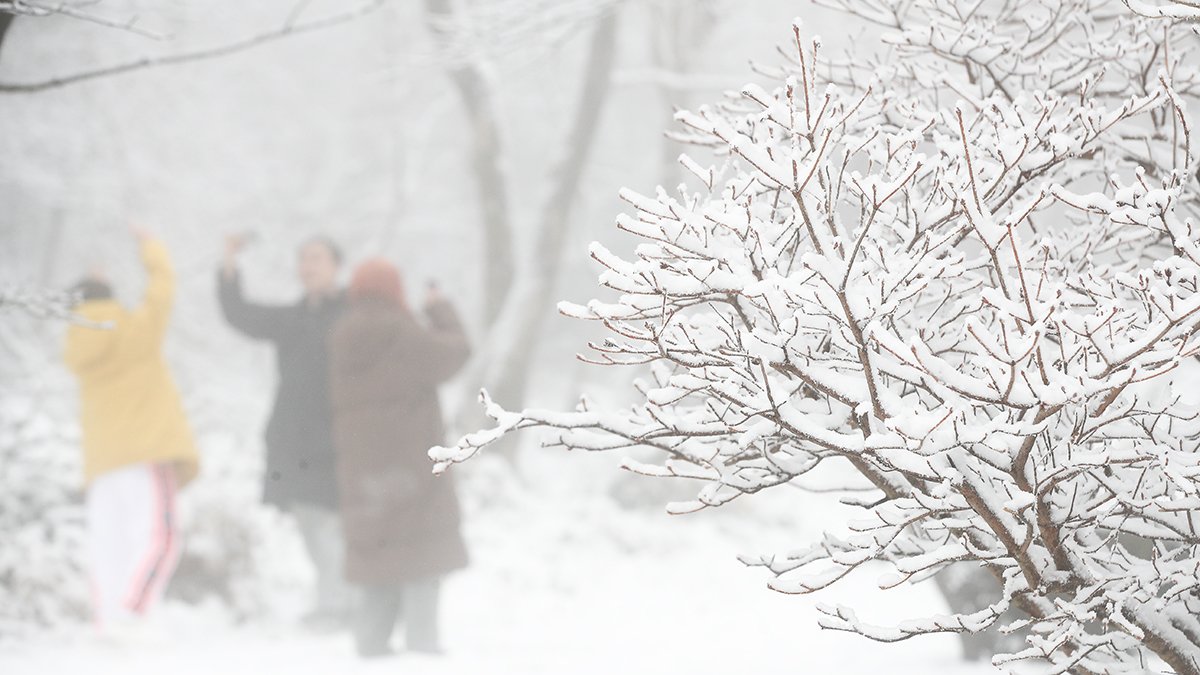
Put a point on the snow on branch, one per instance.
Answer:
(44, 304)
(36, 302)
(972, 275)
(1182, 10)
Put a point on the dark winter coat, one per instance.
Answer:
(400, 522)
(299, 435)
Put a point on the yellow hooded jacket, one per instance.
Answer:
(131, 409)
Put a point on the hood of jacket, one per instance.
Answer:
(89, 344)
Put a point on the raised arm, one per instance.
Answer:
(143, 330)
(443, 345)
(255, 320)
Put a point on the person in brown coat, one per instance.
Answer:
(401, 522)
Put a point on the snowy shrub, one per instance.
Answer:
(42, 582)
(237, 552)
(968, 268)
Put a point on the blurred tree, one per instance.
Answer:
(6, 20)
(679, 34)
(515, 304)
(486, 160)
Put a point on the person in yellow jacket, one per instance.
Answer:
(137, 445)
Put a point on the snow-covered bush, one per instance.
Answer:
(237, 552)
(42, 582)
(243, 555)
(967, 267)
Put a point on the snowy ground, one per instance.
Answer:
(568, 583)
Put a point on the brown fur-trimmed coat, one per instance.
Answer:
(401, 522)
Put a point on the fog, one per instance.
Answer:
(481, 153)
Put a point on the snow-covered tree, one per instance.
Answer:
(967, 267)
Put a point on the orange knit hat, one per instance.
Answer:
(378, 278)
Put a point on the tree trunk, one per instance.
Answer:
(680, 32)
(533, 299)
(490, 181)
(6, 20)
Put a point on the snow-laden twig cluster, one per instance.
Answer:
(40, 303)
(973, 276)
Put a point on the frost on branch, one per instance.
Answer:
(36, 302)
(972, 278)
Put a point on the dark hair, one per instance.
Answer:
(91, 289)
(330, 245)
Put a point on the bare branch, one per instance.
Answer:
(288, 29)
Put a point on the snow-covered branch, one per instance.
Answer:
(37, 302)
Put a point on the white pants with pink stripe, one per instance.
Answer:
(133, 544)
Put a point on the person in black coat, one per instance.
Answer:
(300, 474)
